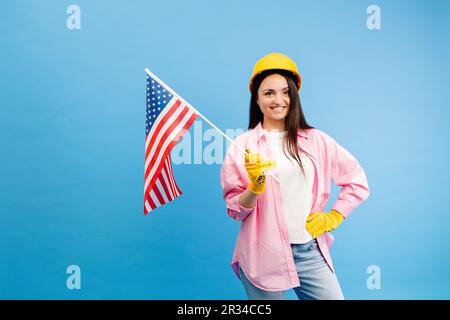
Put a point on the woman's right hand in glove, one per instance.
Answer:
(256, 166)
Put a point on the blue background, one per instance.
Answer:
(72, 141)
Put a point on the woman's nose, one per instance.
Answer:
(278, 99)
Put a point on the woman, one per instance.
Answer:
(279, 186)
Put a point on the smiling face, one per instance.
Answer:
(273, 100)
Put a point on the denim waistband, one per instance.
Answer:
(299, 247)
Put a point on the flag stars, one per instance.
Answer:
(156, 101)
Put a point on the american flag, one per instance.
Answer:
(167, 120)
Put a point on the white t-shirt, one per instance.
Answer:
(296, 188)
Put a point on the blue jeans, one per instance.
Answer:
(317, 281)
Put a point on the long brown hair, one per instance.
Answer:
(294, 121)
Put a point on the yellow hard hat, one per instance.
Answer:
(275, 61)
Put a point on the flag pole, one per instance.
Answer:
(184, 101)
(201, 115)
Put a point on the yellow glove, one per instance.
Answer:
(255, 166)
(318, 223)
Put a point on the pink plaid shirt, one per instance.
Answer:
(262, 248)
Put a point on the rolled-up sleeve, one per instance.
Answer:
(347, 173)
(233, 182)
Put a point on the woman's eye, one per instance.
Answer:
(268, 93)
